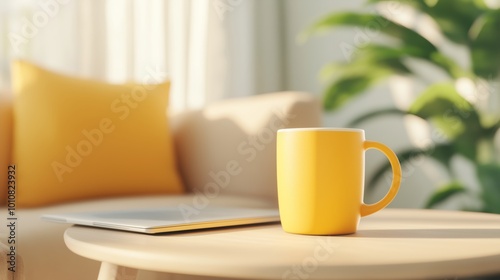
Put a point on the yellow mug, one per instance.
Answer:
(321, 179)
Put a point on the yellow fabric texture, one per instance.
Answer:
(79, 139)
(5, 142)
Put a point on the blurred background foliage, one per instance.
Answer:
(469, 130)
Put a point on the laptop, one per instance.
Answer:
(168, 219)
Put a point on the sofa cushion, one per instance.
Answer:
(78, 139)
(229, 147)
(41, 243)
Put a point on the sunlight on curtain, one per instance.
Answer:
(178, 26)
(188, 30)
(168, 38)
(209, 49)
(198, 36)
(119, 47)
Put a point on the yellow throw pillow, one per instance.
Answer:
(80, 139)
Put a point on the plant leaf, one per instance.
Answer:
(454, 18)
(449, 65)
(408, 37)
(374, 114)
(452, 115)
(348, 87)
(371, 65)
(485, 44)
(489, 177)
(444, 193)
(446, 108)
(404, 158)
(370, 58)
(442, 153)
(382, 55)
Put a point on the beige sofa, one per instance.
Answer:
(241, 130)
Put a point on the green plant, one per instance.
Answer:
(468, 130)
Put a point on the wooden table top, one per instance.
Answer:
(391, 244)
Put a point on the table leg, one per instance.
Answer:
(111, 271)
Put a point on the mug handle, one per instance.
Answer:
(367, 209)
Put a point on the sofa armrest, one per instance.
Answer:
(230, 146)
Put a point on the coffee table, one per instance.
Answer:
(391, 244)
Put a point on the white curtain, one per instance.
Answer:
(210, 49)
